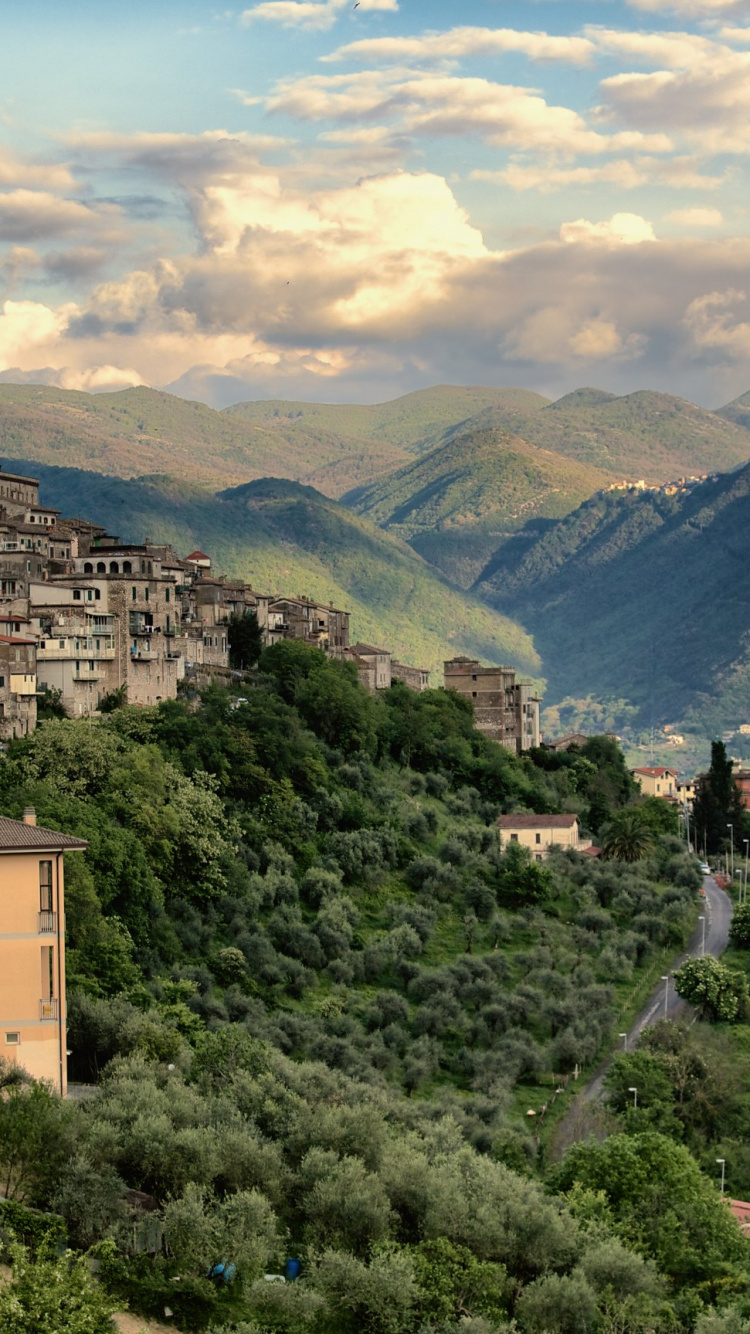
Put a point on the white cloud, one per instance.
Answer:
(320, 14)
(40, 175)
(696, 217)
(690, 9)
(99, 379)
(707, 103)
(675, 50)
(711, 321)
(26, 326)
(31, 215)
(467, 41)
(621, 229)
(441, 104)
(679, 173)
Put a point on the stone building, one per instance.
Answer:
(317, 623)
(504, 710)
(373, 665)
(416, 678)
(17, 686)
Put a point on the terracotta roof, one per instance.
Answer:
(658, 772)
(741, 1211)
(527, 821)
(15, 836)
(13, 639)
(197, 555)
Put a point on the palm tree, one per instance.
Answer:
(627, 837)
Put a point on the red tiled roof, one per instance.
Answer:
(658, 772)
(197, 555)
(527, 821)
(13, 639)
(15, 836)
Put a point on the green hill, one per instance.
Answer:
(137, 431)
(409, 423)
(644, 434)
(457, 503)
(738, 411)
(284, 537)
(642, 596)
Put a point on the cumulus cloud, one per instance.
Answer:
(713, 323)
(440, 104)
(320, 14)
(696, 217)
(467, 41)
(620, 229)
(15, 171)
(31, 215)
(26, 326)
(706, 103)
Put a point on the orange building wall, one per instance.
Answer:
(41, 1049)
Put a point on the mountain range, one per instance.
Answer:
(449, 520)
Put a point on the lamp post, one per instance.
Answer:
(624, 1037)
(665, 980)
(730, 827)
(703, 942)
(723, 1167)
(634, 1092)
(746, 841)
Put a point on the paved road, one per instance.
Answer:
(718, 913)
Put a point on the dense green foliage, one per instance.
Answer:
(719, 816)
(319, 998)
(454, 502)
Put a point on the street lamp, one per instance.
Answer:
(730, 827)
(723, 1167)
(703, 942)
(624, 1037)
(665, 980)
(634, 1092)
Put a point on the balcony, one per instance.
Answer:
(47, 922)
(50, 651)
(91, 674)
(143, 655)
(49, 1009)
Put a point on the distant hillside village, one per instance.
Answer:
(84, 615)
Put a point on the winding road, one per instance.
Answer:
(717, 908)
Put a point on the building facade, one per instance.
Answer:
(656, 781)
(504, 710)
(32, 947)
(539, 833)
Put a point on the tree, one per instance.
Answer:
(245, 640)
(715, 990)
(739, 931)
(114, 699)
(53, 1295)
(718, 802)
(628, 837)
(558, 1304)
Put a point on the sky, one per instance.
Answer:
(323, 200)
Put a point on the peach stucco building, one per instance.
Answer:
(32, 947)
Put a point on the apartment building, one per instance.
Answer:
(504, 710)
(656, 781)
(32, 947)
(17, 685)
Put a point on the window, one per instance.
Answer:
(12, 1039)
(127, 568)
(45, 886)
(134, 594)
(539, 857)
(166, 595)
(514, 838)
(101, 567)
(48, 972)
(2, 682)
(88, 568)
(146, 594)
(114, 567)
(76, 595)
(537, 838)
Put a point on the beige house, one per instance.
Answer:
(539, 833)
(32, 947)
(17, 686)
(656, 781)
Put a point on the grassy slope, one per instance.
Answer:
(137, 431)
(643, 597)
(285, 537)
(406, 423)
(459, 501)
(645, 434)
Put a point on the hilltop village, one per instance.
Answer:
(84, 615)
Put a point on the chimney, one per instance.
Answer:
(29, 815)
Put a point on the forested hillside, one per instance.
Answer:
(457, 503)
(643, 597)
(282, 537)
(322, 1000)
